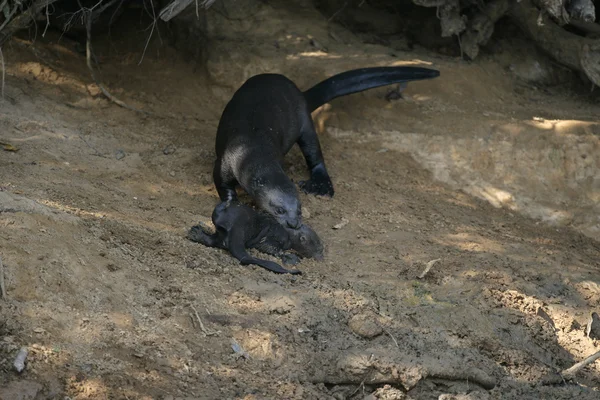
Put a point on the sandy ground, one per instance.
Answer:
(492, 175)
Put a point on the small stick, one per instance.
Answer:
(362, 385)
(202, 327)
(392, 336)
(428, 267)
(88, 57)
(575, 368)
(2, 62)
(2, 287)
(335, 15)
(154, 20)
(47, 20)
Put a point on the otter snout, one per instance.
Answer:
(294, 222)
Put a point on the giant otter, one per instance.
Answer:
(263, 120)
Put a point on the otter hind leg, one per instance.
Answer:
(237, 249)
(198, 234)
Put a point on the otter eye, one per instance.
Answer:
(280, 210)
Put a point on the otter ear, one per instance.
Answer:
(302, 239)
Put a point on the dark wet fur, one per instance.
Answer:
(266, 116)
(240, 227)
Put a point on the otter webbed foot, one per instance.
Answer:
(198, 233)
(319, 183)
(290, 259)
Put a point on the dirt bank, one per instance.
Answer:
(108, 295)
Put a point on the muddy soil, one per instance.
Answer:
(492, 175)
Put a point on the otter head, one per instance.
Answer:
(279, 200)
(285, 207)
(307, 243)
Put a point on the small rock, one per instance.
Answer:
(238, 349)
(282, 305)
(305, 213)
(112, 267)
(342, 224)
(19, 363)
(387, 392)
(172, 173)
(592, 329)
(170, 149)
(120, 154)
(93, 90)
(86, 368)
(318, 45)
(365, 325)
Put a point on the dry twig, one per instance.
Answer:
(428, 267)
(361, 385)
(22, 21)
(175, 7)
(88, 57)
(392, 336)
(335, 14)
(2, 287)
(202, 327)
(569, 372)
(2, 65)
(154, 21)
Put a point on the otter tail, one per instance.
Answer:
(270, 265)
(357, 80)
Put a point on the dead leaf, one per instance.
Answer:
(8, 147)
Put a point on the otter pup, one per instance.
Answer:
(240, 227)
(263, 120)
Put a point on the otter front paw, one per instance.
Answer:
(319, 183)
(318, 187)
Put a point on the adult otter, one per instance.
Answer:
(239, 227)
(263, 120)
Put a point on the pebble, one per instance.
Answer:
(305, 213)
(281, 305)
(342, 224)
(120, 154)
(19, 363)
(365, 325)
(170, 149)
(592, 329)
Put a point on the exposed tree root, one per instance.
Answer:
(23, 20)
(481, 27)
(576, 52)
(375, 367)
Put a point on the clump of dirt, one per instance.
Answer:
(113, 301)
